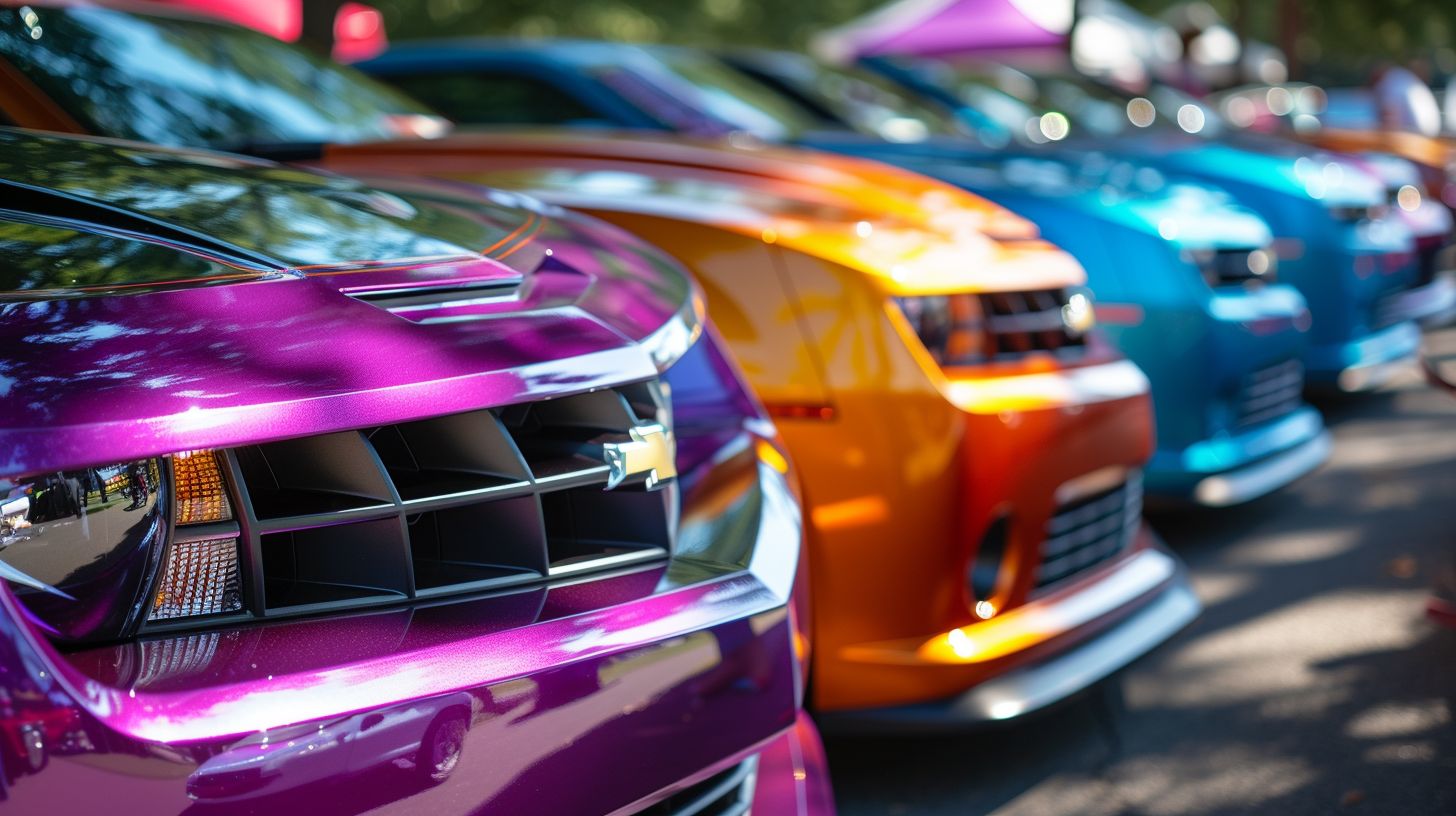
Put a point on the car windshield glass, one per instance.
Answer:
(1349, 109)
(862, 100)
(43, 260)
(735, 99)
(1057, 106)
(183, 81)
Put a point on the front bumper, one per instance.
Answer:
(1237, 468)
(624, 685)
(1042, 652)
(1432, 303)
(1366, 363)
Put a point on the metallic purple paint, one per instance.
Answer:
(596, 696)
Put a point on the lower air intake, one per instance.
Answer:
(728, 793)
(1089, 531)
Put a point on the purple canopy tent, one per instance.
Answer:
(1102, 37)
(949, 27)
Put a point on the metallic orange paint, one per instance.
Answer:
(904, 465)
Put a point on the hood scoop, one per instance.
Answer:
(432, 304)
(471, 291)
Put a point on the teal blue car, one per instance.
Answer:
(1186, 278)
(1357, 263)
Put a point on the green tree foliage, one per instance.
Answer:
(1336, 39)
(701, 22)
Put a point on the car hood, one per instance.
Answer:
(1087, 184)
(397, 318)
(1272, 166)
(916, 235)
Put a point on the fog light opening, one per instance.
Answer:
(983, 576)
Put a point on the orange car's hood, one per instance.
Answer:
(915, 234)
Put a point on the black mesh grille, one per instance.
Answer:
(451, 504)
(1089, 531)
(1228, 267)
(1018, 323)
(1269, 393)
(728, 793)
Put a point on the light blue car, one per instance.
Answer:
(1356, 265)
(1187, 279)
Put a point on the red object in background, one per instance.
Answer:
(358, 33)
(358, 29)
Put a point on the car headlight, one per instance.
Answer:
(952, 327)
(1235, 267)
(94, 553)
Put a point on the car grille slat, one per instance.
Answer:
(1089, 531)
(1020, 323)
(1269, 393)
(458, 503)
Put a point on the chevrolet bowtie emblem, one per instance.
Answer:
(652, 451)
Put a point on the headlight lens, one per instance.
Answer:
(1235, 267)
(94, 552)
(952, 327)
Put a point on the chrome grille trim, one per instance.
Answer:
(1019, 323)
(1089, 531)
(726, 793)
(447, 505)
(1269, 393)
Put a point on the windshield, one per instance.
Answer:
(181, 81)
(854, 98)
(733, 98)
(1059, 106)
(38, 259)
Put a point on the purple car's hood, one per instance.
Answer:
(300, 303)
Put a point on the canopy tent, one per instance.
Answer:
(948, 27)
(1101, 37)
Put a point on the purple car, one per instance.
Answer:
(320, 497)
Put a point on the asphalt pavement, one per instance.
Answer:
(1312, 684)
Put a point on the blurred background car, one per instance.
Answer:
(1205, 268)
(382, 448)
(1337, 242)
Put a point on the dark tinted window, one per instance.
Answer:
(857, 98)
(731, 97)
(285, 213)
(496, 99)
(187, 82)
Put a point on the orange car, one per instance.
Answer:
(969, 447)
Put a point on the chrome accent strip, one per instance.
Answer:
(742, 778)
(607, 561)
(672, 339)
